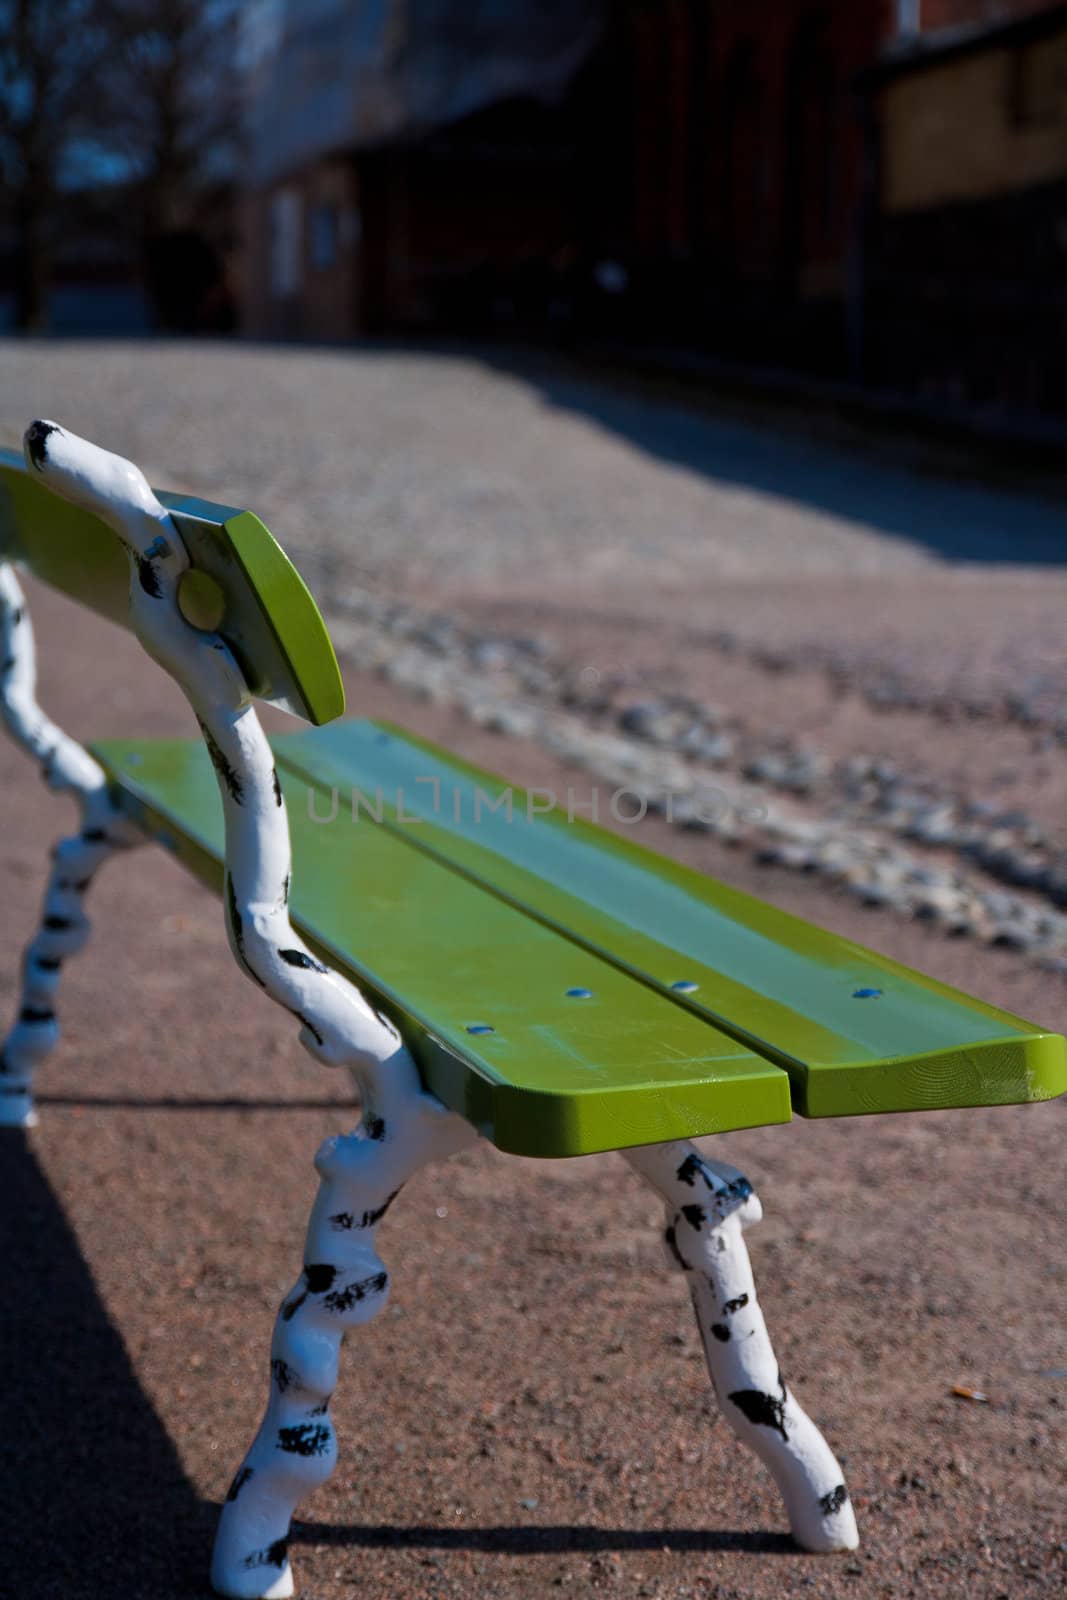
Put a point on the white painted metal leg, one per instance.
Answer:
(64, 926)
(344, 1284)
(708, 1206)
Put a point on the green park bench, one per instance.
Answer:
(482, 966)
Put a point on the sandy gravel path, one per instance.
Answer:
(526, 497)
(532, 1413)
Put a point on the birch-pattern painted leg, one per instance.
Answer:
(64, 925)
(343, 1284)
(708, 1206)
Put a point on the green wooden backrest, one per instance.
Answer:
(242, 584)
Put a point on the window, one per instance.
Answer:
(909, 17)
(323, 237)
(286, 243)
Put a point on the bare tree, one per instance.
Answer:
(50, 53)
(139, 94)
(173, 115)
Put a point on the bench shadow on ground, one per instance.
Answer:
(98, 1501)
(96, 1498)
(173, 1102)
(531, 1539)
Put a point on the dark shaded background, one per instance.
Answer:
(868, 196)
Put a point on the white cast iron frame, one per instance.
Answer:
(64, 930)
(402, 1126)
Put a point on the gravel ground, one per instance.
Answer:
(532, 1411)
(522, 497)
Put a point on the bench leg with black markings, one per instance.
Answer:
(64, 928)
(708, 1207)
(343, 1285)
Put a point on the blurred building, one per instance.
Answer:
(748, 169)
(793, 182)
(965, 294)
(755, 165)
(409, 163)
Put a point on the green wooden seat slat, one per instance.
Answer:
(786, 988)
(270, 620)
(560, 1075)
